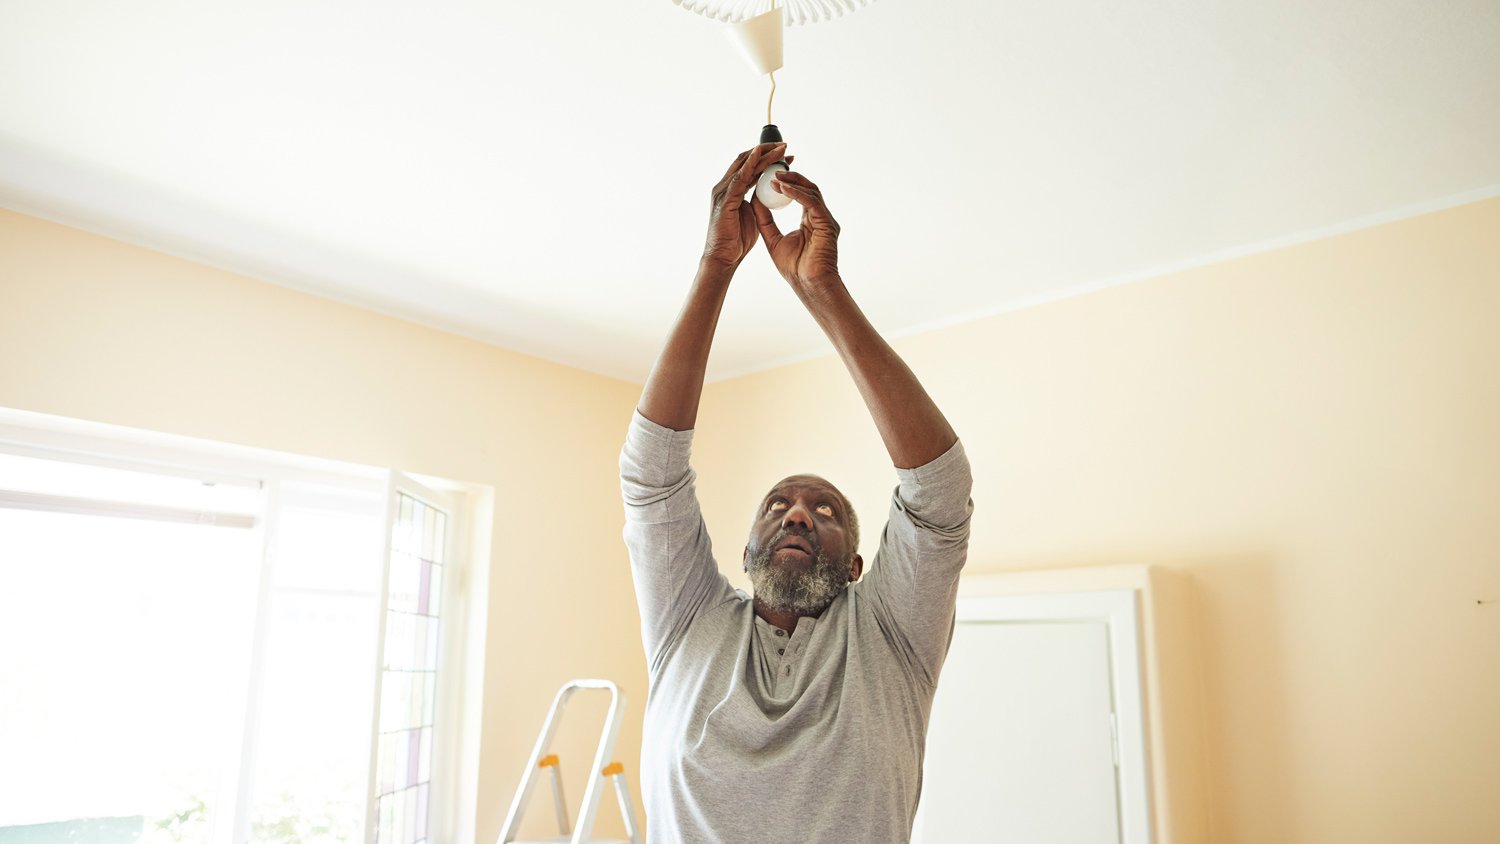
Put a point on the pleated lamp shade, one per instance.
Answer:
(798, 12)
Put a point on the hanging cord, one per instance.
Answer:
(769, 121)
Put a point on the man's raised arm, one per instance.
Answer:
(915, 432)
(914, 581)
(671, 558)
(675, 385)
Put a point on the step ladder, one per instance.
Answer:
(541, 759)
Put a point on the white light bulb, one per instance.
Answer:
(768, 195)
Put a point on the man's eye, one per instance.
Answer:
(778, 504)
(825, 509)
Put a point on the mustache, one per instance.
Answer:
(796, 589)
(806, 535)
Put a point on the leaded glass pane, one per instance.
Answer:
(409, 678)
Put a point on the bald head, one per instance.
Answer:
(847, 517)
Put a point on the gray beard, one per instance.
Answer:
(803, 593)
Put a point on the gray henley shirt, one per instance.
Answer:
(755, 735)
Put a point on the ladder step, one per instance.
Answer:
(609, 775)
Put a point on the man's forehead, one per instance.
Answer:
(795, 482)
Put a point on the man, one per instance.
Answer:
(800, 714)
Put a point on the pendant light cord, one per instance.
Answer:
(769, 121)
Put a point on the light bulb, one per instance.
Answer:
(767, 194)
(763, 190)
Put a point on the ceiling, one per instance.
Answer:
(536, 175)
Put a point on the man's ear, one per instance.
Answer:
(745, 559)
(856, 568)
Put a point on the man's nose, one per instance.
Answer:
(799, 516)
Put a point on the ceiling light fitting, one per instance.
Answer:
(798, 12)
(755, 27)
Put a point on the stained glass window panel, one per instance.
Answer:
(413, 627)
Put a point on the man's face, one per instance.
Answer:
(798, 556)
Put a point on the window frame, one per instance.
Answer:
(446, 723)
(458, 703)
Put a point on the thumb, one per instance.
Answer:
(765, 222)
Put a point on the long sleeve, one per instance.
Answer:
(914, 577)
(671, 557)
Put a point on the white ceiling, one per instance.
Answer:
(536, 174)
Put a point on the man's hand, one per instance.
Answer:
(914, 430)
(731, 222)
(811, 252)
(676, 382)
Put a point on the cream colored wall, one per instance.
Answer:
(1304, 437)
(1308, 438)
(95, 329)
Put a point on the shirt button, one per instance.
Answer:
(780, 632)
(781, 650)
(788, 669)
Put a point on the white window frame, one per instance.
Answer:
(446, 719)
(460, 682)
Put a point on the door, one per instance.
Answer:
(1023, 745)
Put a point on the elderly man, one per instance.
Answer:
(799, 714)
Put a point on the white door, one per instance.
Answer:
(1021, 745)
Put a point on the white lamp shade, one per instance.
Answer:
(759, 38)
(798, 12)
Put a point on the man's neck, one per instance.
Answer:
(786, 620)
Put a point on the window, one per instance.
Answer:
(124, 640)
(408, 679)
(208, 644)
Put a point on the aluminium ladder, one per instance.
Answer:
(540, 759)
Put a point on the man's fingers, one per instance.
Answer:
(765, 222)
(772, 151)
(745, 175)
(799, 187)
(750, 169)
(734, 168)
(801, 193)
(814, 209)
(722, 188)
(795, 178)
